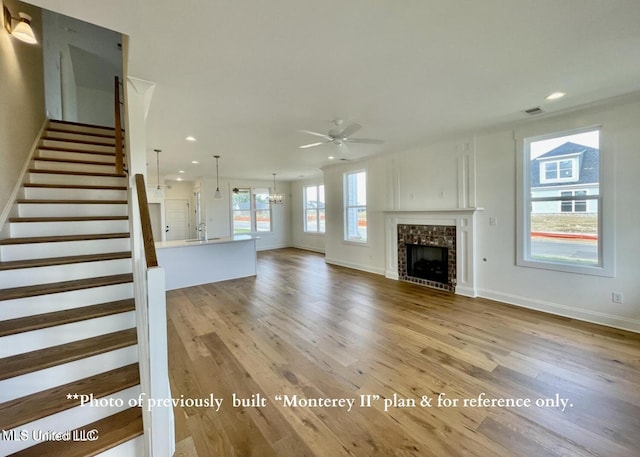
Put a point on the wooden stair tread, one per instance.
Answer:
(29, 362)
(67, 219)
(80, 124)
(77, 173)
(23, 201)
(82, 151)
(74, 161)
(72, 186)
(51, 261)
(67, 316)
(76, 140)
(113, 430)
(61, 238)
(23, 410)
(61, 129)
(64, 286)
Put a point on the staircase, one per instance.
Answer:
(67, 316)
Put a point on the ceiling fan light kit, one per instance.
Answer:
(339, 136)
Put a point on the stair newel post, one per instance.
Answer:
(118, 128)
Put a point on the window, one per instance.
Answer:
(251, 210)
(314, 213)
(570, 204)
(561, 227)
(355, 192)
(566, 170)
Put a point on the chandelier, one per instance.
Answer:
(275, 198)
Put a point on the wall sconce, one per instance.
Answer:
(22, 30)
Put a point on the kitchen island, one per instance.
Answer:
(191, 262)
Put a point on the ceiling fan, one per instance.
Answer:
(339, 136)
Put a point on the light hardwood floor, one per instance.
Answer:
(307, 329)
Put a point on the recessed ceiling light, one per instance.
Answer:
(191, 138)
(555, 95)
(195, 161)
(178, 179)
(331, 157)
(180, 171)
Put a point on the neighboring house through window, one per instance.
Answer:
(251, 210)
(560, 224)
(314, 211)
(355, 203)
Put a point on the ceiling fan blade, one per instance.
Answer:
(305, 146)
(364, 140)
(322, 135)
(350, 130)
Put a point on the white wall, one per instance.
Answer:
(300, 239)
(21, 99)
(434, 177)
(369, 256)
(80, 61)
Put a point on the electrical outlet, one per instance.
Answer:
(617, 297)
(493, 220)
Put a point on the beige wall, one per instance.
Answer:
(22, 99)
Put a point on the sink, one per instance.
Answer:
(194, 240)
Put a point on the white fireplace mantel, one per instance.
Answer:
(465, 222)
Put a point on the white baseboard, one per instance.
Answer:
(595, 317)
(355, 266)
(272, 246)
(307, 248)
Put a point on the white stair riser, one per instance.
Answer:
(72, 145)
(79, 136)
(65, 166)
(131, 448)
(61, 249)
(51, 178)
(27, 229)
(62, 334)
(80, 128)
(71, 155)
(40, 304)
(71, 209)
(37, 381)
(58, 273)
(73, 194)
(71, 419)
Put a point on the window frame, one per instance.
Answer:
(348, 207)
(306, 209)
(606, 261)
(253, 212)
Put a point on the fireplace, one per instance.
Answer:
(427, 262)
(427, 255)
(453, 229)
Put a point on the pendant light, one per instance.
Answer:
(158, 151)
(217, 195)
(275, 198)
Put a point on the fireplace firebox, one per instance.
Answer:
(428, 262)
(427, 255)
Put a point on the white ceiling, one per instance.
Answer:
(244, 77)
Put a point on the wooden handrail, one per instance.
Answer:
(145, 220)
(118, 129)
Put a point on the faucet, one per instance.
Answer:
(203, 227)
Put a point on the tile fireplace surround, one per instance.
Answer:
(442, 236)
(464, 221)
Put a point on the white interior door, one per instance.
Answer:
(177, 219)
